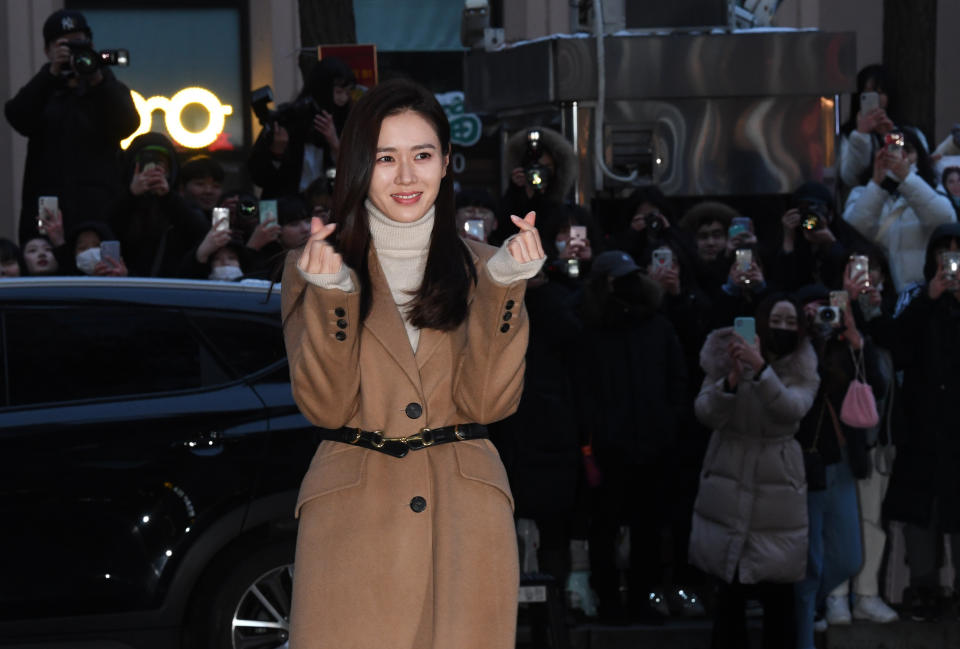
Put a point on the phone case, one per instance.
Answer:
(110, 249)
(268, 209)
(746, 327)
(662, 258)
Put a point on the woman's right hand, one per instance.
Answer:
(264, 233)
(212, 242)
(940, 284)
(875, 120)
(319, 257)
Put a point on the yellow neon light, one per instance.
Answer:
(173, 110)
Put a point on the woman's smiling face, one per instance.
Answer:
(408, 168)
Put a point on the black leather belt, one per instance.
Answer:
(400, 446)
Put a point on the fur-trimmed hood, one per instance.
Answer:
(564, 159)
(715, 361)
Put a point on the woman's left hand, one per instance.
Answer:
(526, 245)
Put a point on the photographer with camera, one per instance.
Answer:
(301, 140)
(75, 118)
(833, 436)
(543, 167)
(810, 252)
(899, 208)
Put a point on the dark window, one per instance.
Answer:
(245, 343)
(65, 354)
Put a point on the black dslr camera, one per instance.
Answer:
(84, 60)
(294, 112)
(813, 215)
(537, 175)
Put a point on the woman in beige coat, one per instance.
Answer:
(750, 516)
(402, 341)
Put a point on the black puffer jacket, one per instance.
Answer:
(926, 347)
(74, 145)
(631, 374)
(155, 232)
(540, 443)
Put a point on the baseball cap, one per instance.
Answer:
(63, 22)
(615, 263)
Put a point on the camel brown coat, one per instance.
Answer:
(370, 572)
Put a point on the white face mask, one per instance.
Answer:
(226, 273)
(88, 260)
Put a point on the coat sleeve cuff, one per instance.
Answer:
(505, 270)
(341, 280)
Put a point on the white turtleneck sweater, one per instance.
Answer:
(402, 250)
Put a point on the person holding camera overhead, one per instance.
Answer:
(899, 208)
(404, 341)
(301, 140)
(74, 123)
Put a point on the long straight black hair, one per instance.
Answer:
(441, 300)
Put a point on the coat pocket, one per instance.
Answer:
(334, 468)
(478, 460)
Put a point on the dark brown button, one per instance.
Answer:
(413, 410)
(342, 323)
(505, 328)
(339, 312)
(418, 504)
(509, 304)
(340, 336)
(507, 316)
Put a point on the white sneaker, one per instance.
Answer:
(838, 610)
(874, 609)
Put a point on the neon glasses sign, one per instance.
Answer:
(173, 116)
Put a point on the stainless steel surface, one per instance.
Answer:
(722, 146)
(668, 66)
(698, 114)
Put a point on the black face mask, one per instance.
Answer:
(782, 341)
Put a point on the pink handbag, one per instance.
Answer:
(859, 408)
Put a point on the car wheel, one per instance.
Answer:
(248, 603)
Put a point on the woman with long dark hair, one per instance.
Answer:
(403, 341)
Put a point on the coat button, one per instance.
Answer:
(413, 410)
(505, 328)
(418, 504)
(507, 316)
(339, 312)
(340, 336)
(509, 304)
(342, 323)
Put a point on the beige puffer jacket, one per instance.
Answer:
(750, 516)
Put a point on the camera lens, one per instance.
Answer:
(827, 314)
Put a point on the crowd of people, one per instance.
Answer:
(750, 413)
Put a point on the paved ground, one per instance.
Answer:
(695, 634)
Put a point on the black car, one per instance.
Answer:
(150, 454)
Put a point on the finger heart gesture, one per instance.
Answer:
(526, 246)
(319, 257)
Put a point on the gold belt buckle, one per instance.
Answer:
(356, 436)
(459, 434)
(424, 436)
(377, 439)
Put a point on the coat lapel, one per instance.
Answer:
(430, 339)
(386, 324)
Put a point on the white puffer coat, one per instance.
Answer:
(750, 516)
